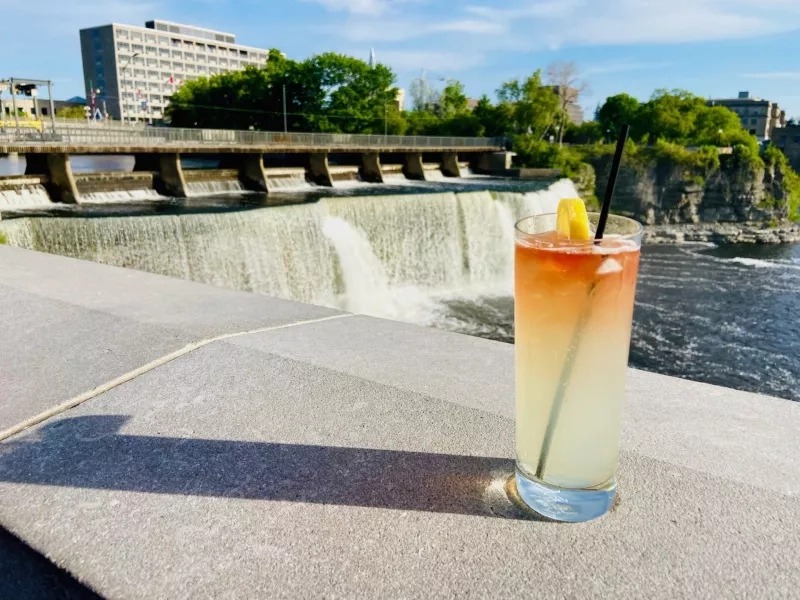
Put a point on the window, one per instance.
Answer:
(753, 131)
(212, 60)
(137, 48)
(243, 53)
(165, 75)
(149, 37)
(177, 65)
(234, 64)
(223, 62)
(177, 54)
(123, 34)
(188, 56)
(123, 46)
(140, 85)
(212, 49)
(190, 68)
(796, 139)
(163, 52)
(201, 58)
(155, 87)
(138, 60)
(188, 44)
(175, 43)
(202, 69)
(201, 47)
(127, 83)
(163, 41)
(213, 70)
(165, 64)
(139, 72)
(136, 35)
(151, 50)
(152, 62)
(753, 121)
(153, 75)
(233, 52)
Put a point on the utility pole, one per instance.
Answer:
(52, 105)
(285, 125)
(385, 119)
(14, 106)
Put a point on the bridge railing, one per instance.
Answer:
(160, 136)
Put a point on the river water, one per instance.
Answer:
(440, 254)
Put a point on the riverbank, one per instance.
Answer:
(722, 233)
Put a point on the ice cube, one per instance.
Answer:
(609, 266)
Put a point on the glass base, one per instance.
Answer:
(561, 504)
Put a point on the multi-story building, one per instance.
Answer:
(135, 70)
(759, 117)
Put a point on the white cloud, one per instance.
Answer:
(362, 7)
(537, 24)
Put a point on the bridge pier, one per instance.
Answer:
(60, 183)
(318, 171)
(371, 167)
(169, 179)
(450, 166)
(412, 166)
(251, 172)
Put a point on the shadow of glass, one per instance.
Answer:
(88, 452)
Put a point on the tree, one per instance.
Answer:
(328, 92)
(589, 132)
(619, 110)
(423, 95)
(453, 100)
(715, 126)
(568, 86)
(71, 112)
(670, 115)
(496, 120)
(535, 107)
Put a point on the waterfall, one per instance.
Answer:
(120, 196)
(24, 196)
(388, 256)
(208, 188)
(291, 182)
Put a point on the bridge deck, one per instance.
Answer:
(172, 148)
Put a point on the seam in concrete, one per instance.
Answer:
(109, 385)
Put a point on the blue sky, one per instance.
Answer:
(710, 47)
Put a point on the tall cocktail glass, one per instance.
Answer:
(572, 321)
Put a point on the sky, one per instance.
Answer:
(713, 48)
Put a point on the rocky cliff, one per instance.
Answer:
(666, 193)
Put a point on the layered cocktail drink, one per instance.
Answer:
(573, 313)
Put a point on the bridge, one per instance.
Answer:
(158, 151)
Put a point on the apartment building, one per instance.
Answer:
(135, 70)
(759, 117)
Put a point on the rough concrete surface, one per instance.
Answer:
(69, 326)
(360, 458)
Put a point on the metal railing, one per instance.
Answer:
(161, 136)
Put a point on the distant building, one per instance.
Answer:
(29, 107)
(787, 138)
(574, 111)
(137, 69)
(759, 117)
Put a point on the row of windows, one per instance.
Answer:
(191, 31)
(124, 45)
(752, 121)
(140, 61)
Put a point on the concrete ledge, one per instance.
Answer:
(356, 457)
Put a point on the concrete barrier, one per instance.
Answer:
(59, 183)
(413, 168)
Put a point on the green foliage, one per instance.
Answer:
(71, 112)
(590, 132)
(3, 238)
(535, 107)
(536, 153)
(496, 120)
(675, 116)
(329, 92)
(453, 100)
(619, 110)
(777, 161)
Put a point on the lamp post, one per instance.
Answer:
(121, 75)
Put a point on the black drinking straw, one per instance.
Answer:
(574, 344)
(612, 182)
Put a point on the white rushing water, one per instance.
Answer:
(24, 196)
(387, 256)
(209, 188)
(120, 196)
